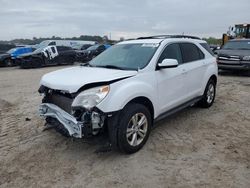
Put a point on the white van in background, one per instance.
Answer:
(70, 43)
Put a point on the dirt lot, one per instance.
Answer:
(195, 148)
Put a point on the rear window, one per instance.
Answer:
(190, 52)
(206, 46)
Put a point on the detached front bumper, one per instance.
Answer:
(69, 122)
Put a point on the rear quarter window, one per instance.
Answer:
(190, 52)
(206, 46)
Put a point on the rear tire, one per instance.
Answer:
(133, 128)
(209, 95)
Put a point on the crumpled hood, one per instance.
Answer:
(72, 79)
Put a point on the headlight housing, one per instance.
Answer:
(91, 97)
(246, 58)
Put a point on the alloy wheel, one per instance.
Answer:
(210, 93)
(137, 129)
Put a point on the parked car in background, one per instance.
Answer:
(70, 43)
(91, 52)
(9, 58)
(82, 46)
(234, 55)
(130, 86)
(5, 60)
(214, 47)
(50, 55)
(80, 51)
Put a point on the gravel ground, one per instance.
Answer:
(194, 148)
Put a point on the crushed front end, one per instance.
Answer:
(73, 120)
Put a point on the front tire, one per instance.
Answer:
(133, 128)
(209, 95)
(8, 63)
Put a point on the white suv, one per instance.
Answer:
(124, 90)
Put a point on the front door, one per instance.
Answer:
(171, 81)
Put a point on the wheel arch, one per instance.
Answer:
(213, 77)
(146, 102)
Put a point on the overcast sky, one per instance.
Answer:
(121, 18)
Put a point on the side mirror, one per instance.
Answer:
(168, 63)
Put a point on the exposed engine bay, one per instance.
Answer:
(77, 122)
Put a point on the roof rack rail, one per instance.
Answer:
(169, 36)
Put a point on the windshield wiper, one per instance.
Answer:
(111, 67)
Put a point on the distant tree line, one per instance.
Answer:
(36, 40)
(99, 39)
(212, 40)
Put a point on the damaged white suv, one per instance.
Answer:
(128, 87)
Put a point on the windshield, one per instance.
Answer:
(126, 56)
(38, 50)
(43, 44)
(237, 45)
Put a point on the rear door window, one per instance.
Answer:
(190, 52)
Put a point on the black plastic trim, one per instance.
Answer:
(176, 109)
(169, 36)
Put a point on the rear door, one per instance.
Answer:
(194, 67)
(171, 81)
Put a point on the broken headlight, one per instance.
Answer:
(91, 97)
